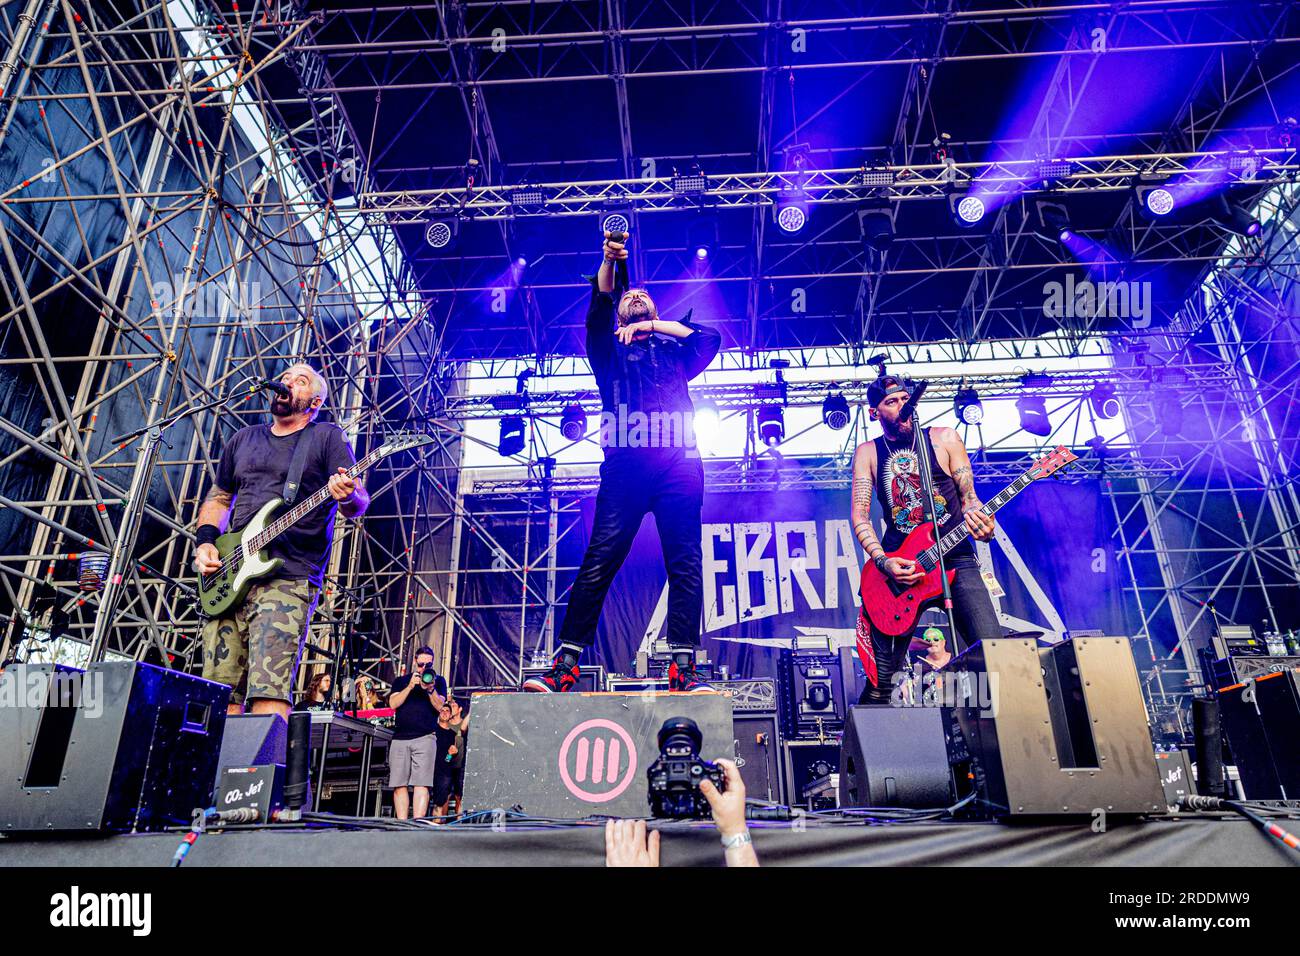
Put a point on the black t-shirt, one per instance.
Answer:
(416, 717)
(253, 467)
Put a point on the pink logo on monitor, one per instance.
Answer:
(597, 760)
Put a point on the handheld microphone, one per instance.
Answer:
(621, 280)
(909, 406)
(277, 387)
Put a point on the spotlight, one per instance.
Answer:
(705, 423)
(1104, 402)
(1100, 450)
(967, 211)
(527, 195)
(875, 176)
(969, 408)
(702, 237)
(1169, 413)
(440, 233)
(573, 423)
(1053, 221)
(692, 183)
(615, 222)
(512, 436)
(1033, 415)
(835, 412)
(877, 227)
(791, 210)
(771, 424)
(1050, 171)
(1233, 216)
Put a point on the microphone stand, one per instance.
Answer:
(120, 562)
(920, 444)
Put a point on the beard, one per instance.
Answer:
(284, 407)
(638, 311)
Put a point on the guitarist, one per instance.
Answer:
(889, 465)
(256, 648)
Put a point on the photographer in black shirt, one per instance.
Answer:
(416, 700)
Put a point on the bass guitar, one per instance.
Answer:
(243, 553)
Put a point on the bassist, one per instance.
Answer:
(255, 647)
(888, 465)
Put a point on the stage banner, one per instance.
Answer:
(783, 563)
(777, 564)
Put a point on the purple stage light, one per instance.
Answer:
(791, 218)
(1253, 228)
(1160, 202)
(970, 210)
(702, 252)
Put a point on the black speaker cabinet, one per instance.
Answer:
(895, 757)
(1051, 731)
(812, 694)
(252, 740)
(121, 746)
(758, 755)
(1261, 718)
(576, 755)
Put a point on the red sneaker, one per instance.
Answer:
(562, 676)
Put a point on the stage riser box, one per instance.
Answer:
(572, 755)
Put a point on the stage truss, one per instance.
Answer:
(187, 183)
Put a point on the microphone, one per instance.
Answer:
(905, 414)
(278, 388)
(621, 281)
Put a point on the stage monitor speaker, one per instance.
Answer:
(895, 757)
(1051, 731)
(758, 755)
(569, 756)
(121, 746)
(1261, 718)
(252, 740)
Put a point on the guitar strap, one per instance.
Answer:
(293, 480)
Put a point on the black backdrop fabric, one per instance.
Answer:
(781, 563)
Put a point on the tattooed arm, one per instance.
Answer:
(980, 524)
(864, 473)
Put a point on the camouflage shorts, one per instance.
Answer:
(256, 648)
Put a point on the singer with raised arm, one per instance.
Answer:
(256, 645)
(642, 365)
(888, 466)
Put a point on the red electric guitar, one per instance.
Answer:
(893, 608)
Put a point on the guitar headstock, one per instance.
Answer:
(402, 441)
(1052, 462)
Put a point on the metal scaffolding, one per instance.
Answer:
(194, 194)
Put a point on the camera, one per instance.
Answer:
(427, 674)
(675, 777)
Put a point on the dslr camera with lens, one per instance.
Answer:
(676, 775)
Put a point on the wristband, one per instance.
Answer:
(206, 534)
(737, 841)
(879, 561)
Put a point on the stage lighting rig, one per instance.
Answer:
(573, 423)
(771, 425)
(968, 407)
(441, 233)
(878, 362)
(615, 222)
(876, 226)
(835, 412)
(1048, 172)
(1033, 415)
(1232, 215)
(512, 440)
(967, 210)
(1103, 400)
(1053, 221)
(527, 194)
(702, 237)
(690, 183)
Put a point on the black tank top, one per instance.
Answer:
(898, 485)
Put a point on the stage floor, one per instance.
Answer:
(1206, 840)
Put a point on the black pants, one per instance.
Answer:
(976, 621)
(669, 485)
